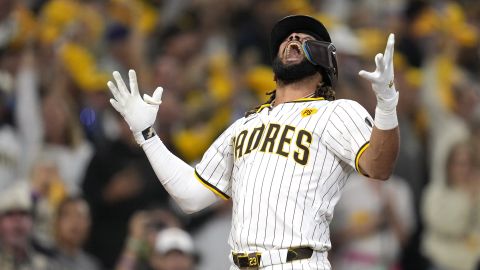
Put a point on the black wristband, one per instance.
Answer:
(148, 133)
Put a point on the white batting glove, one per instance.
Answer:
(384, 87)
(139, 113)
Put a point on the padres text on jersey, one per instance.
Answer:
(277, 140)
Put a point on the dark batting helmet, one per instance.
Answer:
(319, 52)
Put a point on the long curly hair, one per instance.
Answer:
(325, 91)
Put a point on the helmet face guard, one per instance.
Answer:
(322, 54)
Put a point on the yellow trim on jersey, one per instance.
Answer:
(296, 100)
(263, 107)
(211, 187)
(307, 99)
(357, 158)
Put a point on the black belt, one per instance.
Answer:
(252, 260)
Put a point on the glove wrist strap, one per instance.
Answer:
(386, 113)
(146, 134)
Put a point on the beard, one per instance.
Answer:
(288, 74)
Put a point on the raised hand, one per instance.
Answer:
(139, 113)
(384, 88)
(382, 78)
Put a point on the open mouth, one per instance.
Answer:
(293, 50)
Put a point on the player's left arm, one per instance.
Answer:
(176, 176)
(378, 159)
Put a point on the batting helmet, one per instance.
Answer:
(319, 52)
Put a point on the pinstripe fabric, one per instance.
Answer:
(280, 197)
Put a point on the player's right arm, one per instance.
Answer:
(179, 179)
(378, 160)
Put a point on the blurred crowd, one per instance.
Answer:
(76, 192)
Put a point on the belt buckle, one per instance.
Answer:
(247, 260)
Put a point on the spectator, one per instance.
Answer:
(451, 213)
(134, 252)
(72, 227)
(449, 122)
(173, 251)
(42, 127)
(143, 229)
(19, 136)
(64, 140)
(9, 144)
(119, 181)
(48, 190)
(17, 251)
(373, 222)
(211, 238)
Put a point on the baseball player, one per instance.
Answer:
(285, 163)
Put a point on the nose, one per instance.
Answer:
(294, 36)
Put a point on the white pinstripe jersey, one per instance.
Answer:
(284, 168)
